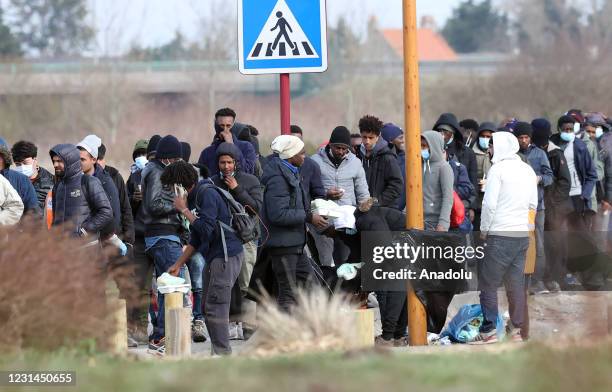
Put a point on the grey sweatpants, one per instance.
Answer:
(504, 262)
(219, 278)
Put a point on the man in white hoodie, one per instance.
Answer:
(510, 193)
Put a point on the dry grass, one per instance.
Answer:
(52, 292)
(319, 322)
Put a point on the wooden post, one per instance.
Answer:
(117, 337)
(417, 319)
(178, 333)
(364, 324)
(172, 301)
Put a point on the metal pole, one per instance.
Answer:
(285, 104)
(417, 318)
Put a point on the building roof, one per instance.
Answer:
(431, 45)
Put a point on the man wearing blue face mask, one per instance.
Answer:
(25, 156)
(483, 165)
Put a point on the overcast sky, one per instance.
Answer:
(153, 22)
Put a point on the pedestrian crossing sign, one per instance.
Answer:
(282, 36)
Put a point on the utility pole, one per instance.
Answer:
(417, 318)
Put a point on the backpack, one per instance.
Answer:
(241, 223)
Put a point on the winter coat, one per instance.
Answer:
(113, 196)
(462, 184)
(205, 234)
(383, 174)
(438, 181)
(511, 191)
(556, 196)
(43, 185)
(349, 175)
(401, 161)
(284, 211)
(126, 232)
(134, 180)
(458, 150)
(312, 181)
(538, 160)
(159, 215)
(246, 162)
(593, 148)
(11, 206)
(586, 169)
(605, 153)
(78, 199)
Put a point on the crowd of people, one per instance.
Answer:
(240, 222)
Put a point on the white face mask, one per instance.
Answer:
(27, 170)
(141, 162)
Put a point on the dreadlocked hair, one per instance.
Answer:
(180, 173)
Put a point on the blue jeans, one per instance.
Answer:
(164, 254)
(196, 267)
(504, 261)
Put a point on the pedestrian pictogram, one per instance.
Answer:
(282, 36)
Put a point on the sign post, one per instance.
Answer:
(417, 320)
(282, 37)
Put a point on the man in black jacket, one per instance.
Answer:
(286, 214)
(382, 171)
(456, 149)
(79, 201)
(126, 233)
(163, 225)
(25, 157)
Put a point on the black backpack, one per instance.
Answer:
(241, 223)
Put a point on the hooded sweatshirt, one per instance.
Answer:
(456, 148)
(438, 181)
(383, 174)
(247, 159)
(11, 207)
(511, 190)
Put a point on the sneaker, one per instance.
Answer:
(538, 288)
(401, 342)
(382, 342)
(553, 286)
(235, 331)
(571, 282)
(158, 347)
(484, 338)
(248, 331)
(198, 331)
(513, 335)
(131, 342)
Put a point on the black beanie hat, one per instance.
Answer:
(340, 135)
(522, 129)
(186, 149)
(541, 132)
(169, 148)
(152, 147)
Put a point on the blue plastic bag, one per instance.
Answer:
(459, 328)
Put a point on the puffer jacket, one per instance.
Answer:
(78, 199)
(159, 215)
(284, 211)
(383, 174)
(11, 206)
(42, 185)
(349, 175)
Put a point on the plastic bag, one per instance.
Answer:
(466, 323)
